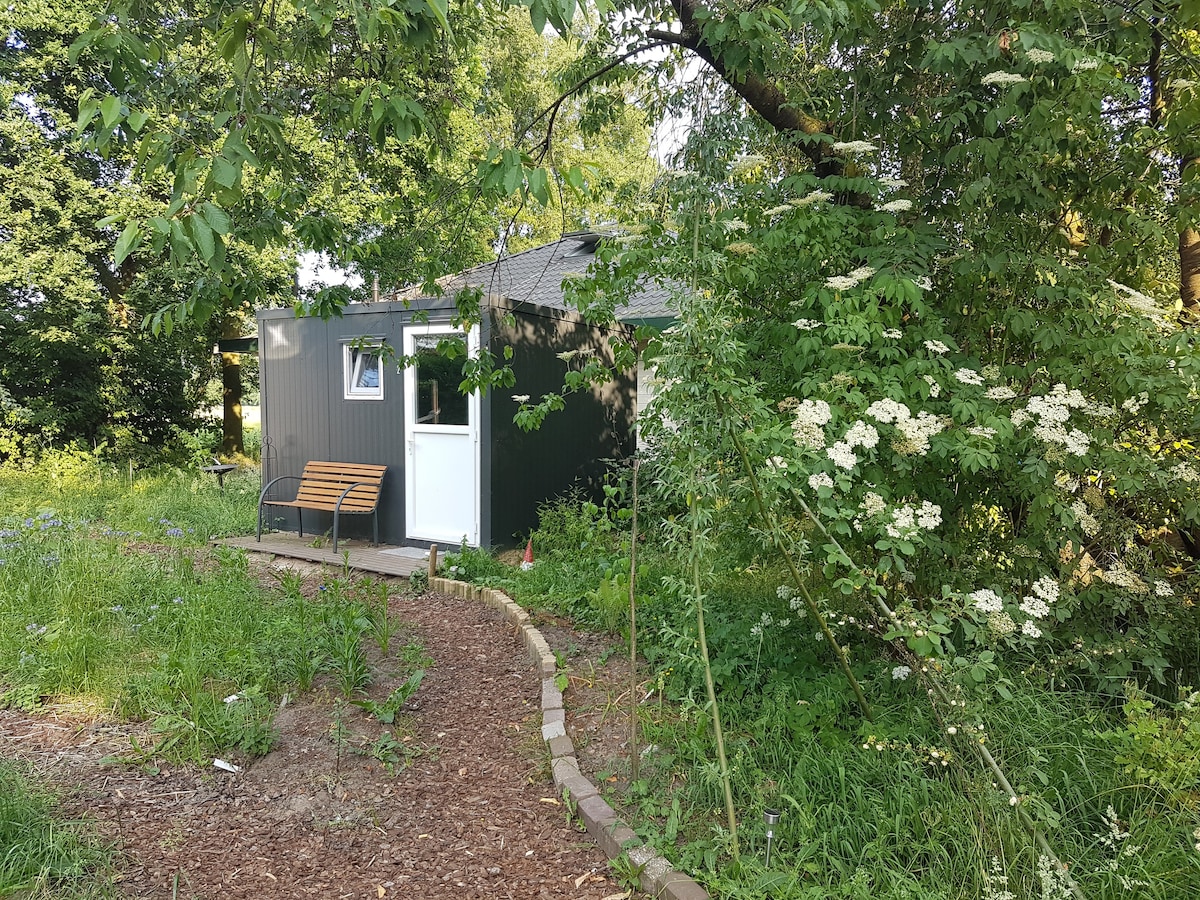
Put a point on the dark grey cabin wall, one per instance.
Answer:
(574, 447)
(305, 416)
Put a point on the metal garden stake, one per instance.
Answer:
(770, 819)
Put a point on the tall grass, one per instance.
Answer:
(41, 855)
(106, 601)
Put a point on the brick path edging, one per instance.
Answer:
(602, 822)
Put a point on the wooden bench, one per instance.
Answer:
(335, 487)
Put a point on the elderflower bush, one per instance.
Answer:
(1042, 444)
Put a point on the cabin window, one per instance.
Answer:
(362, 370)
(439, 366)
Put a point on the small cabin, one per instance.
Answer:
(459, 469)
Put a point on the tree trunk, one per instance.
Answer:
(232, 440)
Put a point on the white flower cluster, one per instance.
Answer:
(896, 206)
(1119, 574)
(969, 376)
(811, 198)
(888, 410)
(819, 480)
(808, 425)
(1085, 65)
(1088, 523)
(846, 282)
(1163, 589)
(778, 210)
(1185, 472)
(935, 389)
(1000, 392)
(987, 601)
(893, 184)
(982, 431)
(872, 504)
(1051, 412)
(860, 434)
(842, 455)
(778, 463)
(1030, 630)
(854, 147)
(925, 283)
(806, 324)
(1002, 78)
(1134, 404)
(900, 673)
(893, 334)
(1038, 57)
(915, 432)
(908, 520)
(936, 347)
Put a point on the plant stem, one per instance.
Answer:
(781, 546)
(710, 687)
(634, 756)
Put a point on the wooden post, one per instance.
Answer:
(432, 561)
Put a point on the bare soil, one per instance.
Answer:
(470, 812)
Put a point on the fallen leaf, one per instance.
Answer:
(581, 879)
(420, 836)
(380, 890)
(549, 800)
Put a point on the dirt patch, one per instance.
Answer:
(468, 812)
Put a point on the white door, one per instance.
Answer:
(442, 434)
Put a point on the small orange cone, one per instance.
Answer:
(527, 562)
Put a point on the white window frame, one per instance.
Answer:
(354, 355)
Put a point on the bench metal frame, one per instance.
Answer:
(324, 477)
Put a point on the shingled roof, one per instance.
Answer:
(536, 277)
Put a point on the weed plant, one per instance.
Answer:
(40, 854)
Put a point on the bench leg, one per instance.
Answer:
(335, 531)
(300, 519)
(375, 516)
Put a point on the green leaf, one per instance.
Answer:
(224, 172)
(137, 119)
(127, 242)
(216, 218)
(439, 10)
(202, 235)
(110, 110)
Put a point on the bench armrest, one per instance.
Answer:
(262, 498)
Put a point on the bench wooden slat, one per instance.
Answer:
(322, 485)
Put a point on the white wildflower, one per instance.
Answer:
(1088, 523)
(520, 398)
(806, 324)
(862, 273)
(900, 673)
(1085, 65)
(861, 434)
(1134, 404)
(888, 410)
(893, 184)
(929, 515)
(807, 426)
(1030, 630)
(778, 210)
(896, 206)
(854, 147)
(1046, 588)
(925, 283)
(936, 347)
(1038, 57)
(748, 162)
(893, 334)
(778, 463)
(1035, 607)
(1002, 78)
(1185, 472)
(842, 455)
(1119, 574)
(982, 431)
(987, 601)
(1163, 589)
(840, 282)
(818, 480)
(935, 389)
(872, 504)
(917, 432)
(812, 198)
(1000, 392)
(903, 523)
(732, 226)
(969, 376)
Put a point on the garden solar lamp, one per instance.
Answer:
(770, 819)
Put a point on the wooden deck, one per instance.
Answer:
(361, 556)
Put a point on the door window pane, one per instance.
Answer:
(438, 375)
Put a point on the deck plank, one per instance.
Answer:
(359, 555)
